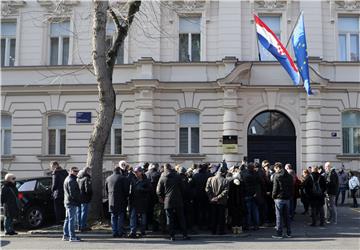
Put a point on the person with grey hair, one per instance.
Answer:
(9, 200)
(84, 181)
(332, 187)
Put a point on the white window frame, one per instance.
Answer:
(202, 35)
(60, 45)
(189, 126)
(351, 134)
(3, 130)
(7, 43)
(57, 136)
(112, 135)
(347, 35)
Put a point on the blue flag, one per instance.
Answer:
(300, 50)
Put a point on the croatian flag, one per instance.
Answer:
(300, 50)
(270, 42)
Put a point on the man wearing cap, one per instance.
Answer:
(117, 188)
(140, 189)
(9, 199)
(71, 201)
(217, 188)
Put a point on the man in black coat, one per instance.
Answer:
(84, 181)
(315, 187)
(58, 176)
(153, 176)
(117, 188)
(9, 200)
(170, 192)
(140, 189)
(283, 190)
(332, 188)
(251, 182)
(201, 201)
(71, 203)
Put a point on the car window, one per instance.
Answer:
(28, 186)
(44, 184)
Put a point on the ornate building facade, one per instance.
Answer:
(190, 87)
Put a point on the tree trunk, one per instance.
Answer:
(103, 62)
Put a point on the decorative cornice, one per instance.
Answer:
(11, 7)
(187, 5)
(58, 8)
(348, 5)
(270, 4)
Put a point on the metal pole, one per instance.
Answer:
(297, 20)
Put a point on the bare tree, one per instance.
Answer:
(103, 62)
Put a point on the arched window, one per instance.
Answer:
(56, 134)
(351, 132)
(189, 133)
(5, 134)
(271, 123)
(114, 142)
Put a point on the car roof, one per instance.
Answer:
(33, 178)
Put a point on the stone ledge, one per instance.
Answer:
(53, 157)
(115, 157)
(7, 157)
(348, 157)
(188, 156)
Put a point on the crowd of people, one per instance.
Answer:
(211, 197)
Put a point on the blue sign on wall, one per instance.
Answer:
(83, 117)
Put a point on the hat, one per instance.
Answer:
(122, 164)
(138, 169)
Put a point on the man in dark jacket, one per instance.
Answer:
(58, 176)
(251, 185)
(140, 189)
(332, 187)
(283, 188)
(217, 188)
(153, 175)
(71, 202)
(9, 200)
(84, 181)
(201, 201)
(315, 187)
(117, 188)
(170, 192)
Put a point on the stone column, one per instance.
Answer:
(313, 131)
(146, 134)
(230, 125)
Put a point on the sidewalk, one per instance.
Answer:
(348, 226)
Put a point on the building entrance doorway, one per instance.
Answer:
(271, 136)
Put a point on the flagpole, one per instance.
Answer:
(257, 39)
(297, 20)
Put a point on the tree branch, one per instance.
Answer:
(122, 31)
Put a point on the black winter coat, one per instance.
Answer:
(332, 182)
(251, 183)
(9, 199)
(84, 181)
(153, 175)
(71, 191)
(171, 189)
(308, 185)
(139, 194)
(283, 185)
(58, 177)
(198, 184)
(117, 187)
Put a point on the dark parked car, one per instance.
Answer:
(35, 200)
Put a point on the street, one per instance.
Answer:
(345, 235)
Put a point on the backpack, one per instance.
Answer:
(316, 190)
